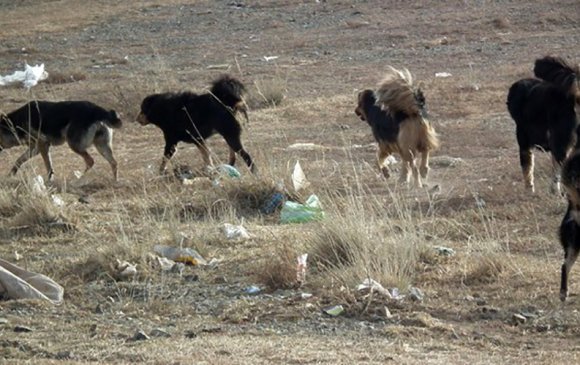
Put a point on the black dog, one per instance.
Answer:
(543, 110)
(570, 226)
(41, 124)
(192, 118)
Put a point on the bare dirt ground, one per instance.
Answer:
(116, 53)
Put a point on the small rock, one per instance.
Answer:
(63, 355)
(157, 332)
(21, 329)
(191, 278)
(3, 321)
(190, 334)
(140, 336)
(481, 302)
(252, 289)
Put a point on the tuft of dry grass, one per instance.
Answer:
(56, 77)
(268, 93)
(278, 270)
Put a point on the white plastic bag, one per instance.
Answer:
(17, 283)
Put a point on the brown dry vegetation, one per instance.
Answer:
(115, 53)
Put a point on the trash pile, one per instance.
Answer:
(30, 77)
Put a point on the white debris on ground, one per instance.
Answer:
(30, 77)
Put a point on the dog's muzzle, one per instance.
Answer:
(142, 119)
(360, 114)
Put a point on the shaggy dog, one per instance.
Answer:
(395, 113)
(41, 124)
(544, 112)
(192, 118)
(570, 226)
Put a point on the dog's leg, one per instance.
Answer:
(107, 152)
(167, 154)
(556, 171)
(408, 167)
(32, 151)
(232, 161)
(236, 145)
(44, 152)
(424, 164)
(569, 259)
(89, 161)
(382, 155)
(527, 164)
(204, 154)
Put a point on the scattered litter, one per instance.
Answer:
(518, 318)
(444, 251)
(77, 174)
(29, 77)
(301, 269)
(395, 294)
(334, 310)
(157, 332)
(293, 212)
(305, 295)
(164, 263)
(442, 74)
(223, 66)
(388, 313)
(17, 256)
(252, 289)
(56, 200)
(125, 269)
(445, 161)
(187, 256)
(228, 170)
(416, 294)
(38, 186)
(17, 283)
(373, 286)
(390, 160)
(275, 201)
(270, 58)
(306, 146)
(22, 329)
(234, 232)
(479, 202)
(139, 336)
(298, 178)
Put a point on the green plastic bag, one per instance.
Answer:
(293, 212)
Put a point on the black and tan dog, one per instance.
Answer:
(395, 113)
(192, 118)
(544, 112)
(570, 226)
(41, 124)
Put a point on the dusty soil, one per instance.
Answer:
(320, 54)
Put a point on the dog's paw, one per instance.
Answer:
(385, 172)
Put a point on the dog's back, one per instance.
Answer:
(50, 119)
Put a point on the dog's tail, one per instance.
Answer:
(428, 138)
(229, 90)
(558, 72)
(113, 119)
(396, 93)
(517, 96)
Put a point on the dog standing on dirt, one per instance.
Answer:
(544, 112)
(41, 124)
(395, 114)
(192, 118)
(570, 226)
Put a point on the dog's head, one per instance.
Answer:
(230, 91)
(145, 109)
(366, 99)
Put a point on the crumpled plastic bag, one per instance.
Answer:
(188, 256)
(234, 232)
(29, 77)
(17, 283)
(293, 212)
